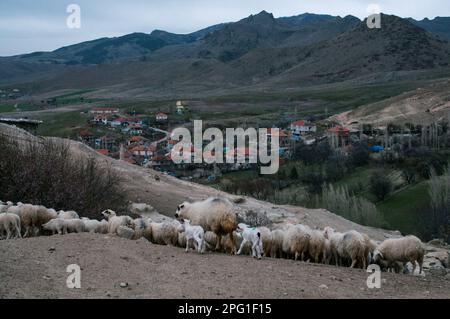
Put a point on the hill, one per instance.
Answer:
(255, 53)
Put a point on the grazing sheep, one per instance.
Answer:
(405, 249)
(316, 246)
(56, 226)
(276, 248)
(335, 239)
(139, 226)
(91, 225)
(43, 216)
(74, 226)
(296, 241)
(226, 245)
(68, 215)
(4, 207)
(165, 233)
(266, 237)
(327, 252)
(28, 217)
(214, 214)
(353, 247)
(116, 221)
(194, 234)
(10, 226)
(125, 232)
(103, 227)
(252, 235)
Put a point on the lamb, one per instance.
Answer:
(194, 234)
(165, 233)
(74, 225)
(91, 225)
(252, 235)
(214, 214)
(103, 227)
(296, 241)
(68, 215)
(10, 226)
(405, 249)
(116, 221)
(276, 248)
(56, 226)
(125, 232)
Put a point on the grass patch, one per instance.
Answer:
(62, 124)
(402, 210)
(7, 108)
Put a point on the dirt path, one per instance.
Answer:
(29, 269)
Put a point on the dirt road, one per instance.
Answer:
(36, 268)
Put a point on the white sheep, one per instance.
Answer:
(296, 241)
(28, 217)
(335, 239)
(139, 226)
(91, 225)
(74, 225)
(316, 246)
(227, 246)
(116, 221)
(56, 226)
(253, 236)
(403, 250)
(214, 214)
(194, 234)
(353, 247)
(165, 233)
(266, 237)
(276, 248)
(103, 227)
(68, 215)
(10, 226)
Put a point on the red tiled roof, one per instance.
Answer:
(281, 133)
(299, 123)
(339, 129)
(136, 138)
(103, 152)
(161, 115)
(86, 133)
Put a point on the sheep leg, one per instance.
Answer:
(353, 263)
(219, 241)
(187, 245)
(233, 244)
(242, 246)
(420, 261)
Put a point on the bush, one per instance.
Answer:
(47, 173)
(356, 209)
(380, 185)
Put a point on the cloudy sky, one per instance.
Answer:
(40, 25)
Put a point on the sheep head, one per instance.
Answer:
(182, 211)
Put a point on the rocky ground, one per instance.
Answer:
(113, 267)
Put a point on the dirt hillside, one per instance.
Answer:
(36, 268)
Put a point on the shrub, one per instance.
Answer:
(380, 185)
(48, 173)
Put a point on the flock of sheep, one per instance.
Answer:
(212, 225)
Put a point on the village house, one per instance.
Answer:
(87, 137)
(338, 136)
(180, 107)
(302, 127)
(104, 110)
(126, 121)
(162, 117)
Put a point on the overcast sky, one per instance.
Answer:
(40, 25)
